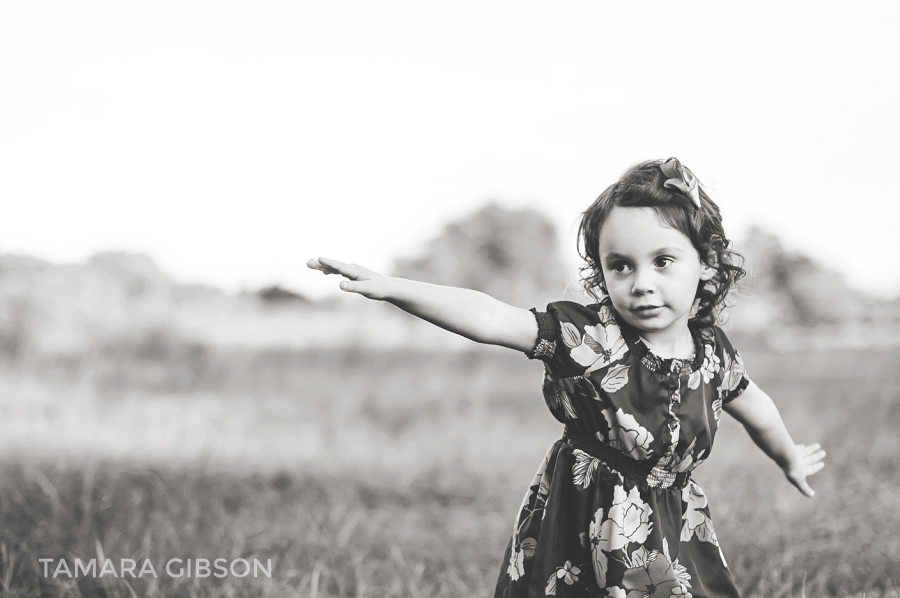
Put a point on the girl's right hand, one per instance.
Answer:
(469, 313)
(360, 280)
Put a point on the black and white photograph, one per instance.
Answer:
(450, 300)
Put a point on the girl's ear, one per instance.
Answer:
(707, 271)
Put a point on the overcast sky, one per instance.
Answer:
(233, 141)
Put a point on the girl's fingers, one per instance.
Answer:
(812, 453)
(330, 266)
(805, 489)
(362, 281)
(351, 271)
(320, 265)
(812, 456)
(315, 265)
(354, 286)
(810, 461)
(798, 479)
(333, 265)
(817, 456)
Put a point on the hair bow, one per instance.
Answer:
(681, 178)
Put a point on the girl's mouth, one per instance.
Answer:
(646, 311)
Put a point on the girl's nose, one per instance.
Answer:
(642, 282)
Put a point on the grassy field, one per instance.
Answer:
(397, 474)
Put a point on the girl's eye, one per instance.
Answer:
(619, 267)
(662, 262)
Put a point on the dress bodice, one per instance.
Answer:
(601, 380)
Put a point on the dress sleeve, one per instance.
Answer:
(734, 378)
(563, 331)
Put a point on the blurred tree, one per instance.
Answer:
(276, 294)
(510, 254)
(793, 289)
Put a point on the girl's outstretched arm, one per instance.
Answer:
(471, 314)
(759, 415)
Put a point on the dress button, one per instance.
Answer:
(673, 424)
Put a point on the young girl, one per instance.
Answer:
(639, 380)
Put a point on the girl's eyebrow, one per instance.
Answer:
(661, 251)
(667, 250)
(615, 256)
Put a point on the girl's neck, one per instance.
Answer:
(669, 344)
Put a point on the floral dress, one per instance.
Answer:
(592, 527)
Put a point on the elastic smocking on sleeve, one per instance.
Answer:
(546, 340)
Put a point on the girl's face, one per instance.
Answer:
(651, 271)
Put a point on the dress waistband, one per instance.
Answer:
(634, 470)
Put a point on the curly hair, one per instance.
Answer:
(642, 185)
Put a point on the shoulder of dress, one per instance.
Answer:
(715, 335)
(572, 312)
(725, 353)
(572, 306)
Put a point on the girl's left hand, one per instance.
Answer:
(807, 461)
